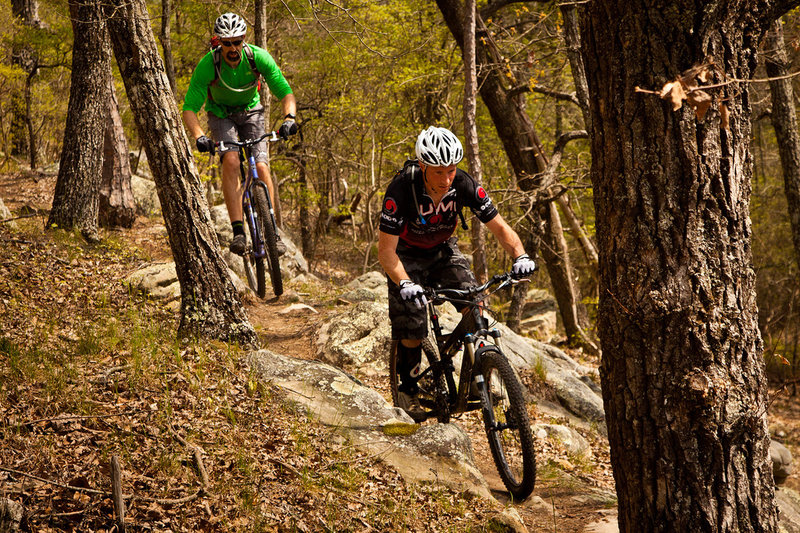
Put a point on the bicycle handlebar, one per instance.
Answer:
(271, 136)
(466, 296)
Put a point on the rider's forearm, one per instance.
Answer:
(506, 236)
(289, 105)
(192, 124)
(388, 258)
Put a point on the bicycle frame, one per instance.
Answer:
(472, 327)
(248, 179)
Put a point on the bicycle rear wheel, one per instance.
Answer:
(268, 233)
(431, 382)
(507, 425)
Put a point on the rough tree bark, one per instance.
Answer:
(117, 204)
(471, 134)
(682, 369)
(517, 133)
(784, 120)
(76, 196)
(210, 305)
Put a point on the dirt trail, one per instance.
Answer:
(561, 502)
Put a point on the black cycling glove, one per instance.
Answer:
(204, 144)
(289, 127)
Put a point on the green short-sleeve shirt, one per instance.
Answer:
(224, 101)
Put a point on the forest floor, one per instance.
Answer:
(89, 370)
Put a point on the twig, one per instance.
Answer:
(116, 490)
(55, 483)
(162, 501)
(82, 417)
(29, 215)
(287, 466)
(197, 456)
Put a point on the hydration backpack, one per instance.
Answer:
(248, 53)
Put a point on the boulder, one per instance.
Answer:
(358, 341)
(565, 438)
(432, 452)
(145, 195)
(5, 214)
(788, 502)
(160, 280)
(781, 461)
(292, 262)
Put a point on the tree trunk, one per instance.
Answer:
(76, 196)
(784, 120)
(24, 57)
(117, 204)
(260, 37)
(471, 134)
(572, 39)
(166, 42)
(682, 369)
(517, 133)
(210, 305)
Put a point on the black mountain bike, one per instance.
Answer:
(259, 216)
(486, 382)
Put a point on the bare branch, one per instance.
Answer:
(558, 95)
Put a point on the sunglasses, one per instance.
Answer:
(228, 44)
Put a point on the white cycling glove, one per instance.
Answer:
(410, 291)
(523, 266)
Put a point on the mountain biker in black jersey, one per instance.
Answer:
(416, 245)
(229, 87)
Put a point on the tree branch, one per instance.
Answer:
(558, 95)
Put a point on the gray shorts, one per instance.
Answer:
(445, 265)
(239, 126)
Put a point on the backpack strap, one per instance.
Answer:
(413, 169)
(251, 59)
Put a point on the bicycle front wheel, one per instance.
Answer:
(507, 425)
(269, 233)
(254, 266)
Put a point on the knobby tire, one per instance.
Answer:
(512, 447)
(268, 233)
(256, 280)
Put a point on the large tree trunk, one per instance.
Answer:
(76, 197)
(682, 369)
(784, 120)
(117, 204)
(210, 305)
(521, 144)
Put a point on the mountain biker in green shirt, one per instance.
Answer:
(229, 90)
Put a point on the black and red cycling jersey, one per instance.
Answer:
(428, 225)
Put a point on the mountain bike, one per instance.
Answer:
(487, 382)
(259, 216)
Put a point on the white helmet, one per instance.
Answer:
(230, 25)
(439, 147)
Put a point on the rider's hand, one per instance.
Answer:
(411, 292)
(289, 127)
(523, 266)
(204, 144)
